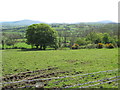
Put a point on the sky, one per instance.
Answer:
(59, 11)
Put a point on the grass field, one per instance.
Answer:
(61, 63)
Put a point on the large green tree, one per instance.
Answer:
(94, 37)
(106, 38)
(41, 35)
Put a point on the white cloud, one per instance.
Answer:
(59, 10)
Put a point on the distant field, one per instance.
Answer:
(64, 62)
(20, 45)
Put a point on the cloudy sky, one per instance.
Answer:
(59, 11)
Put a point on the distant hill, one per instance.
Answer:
(21, 22)
(98, 22)
(21, 26)
(106, 21)
(29, 22)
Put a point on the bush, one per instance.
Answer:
(81, 41)
(82, 47)
(15, 48)
(75, 46)
(90, 46)
(55, 46)
(23, 48)
(109, 45)
(100, 45)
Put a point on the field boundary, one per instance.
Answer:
(100, 83)
(91, 82)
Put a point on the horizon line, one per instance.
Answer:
(60, 22)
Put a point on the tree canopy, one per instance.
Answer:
(41, 35)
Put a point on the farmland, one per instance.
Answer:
(82, 55)
(29, 65)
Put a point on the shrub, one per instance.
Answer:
(55, 46)
(75, 46)
(109, 45)
(81, 41)
(90, 46)
(100, 45)
(82, 47)
(15, 48)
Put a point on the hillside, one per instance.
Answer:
(29, 22)
(21, 22)
(21, 26)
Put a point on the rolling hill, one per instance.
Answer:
(21, 22)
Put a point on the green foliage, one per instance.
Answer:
(82, 47)
(41, 35)
(10, 42)
(55, 46)
(118, 43)
(81, 41)
(94, 37)
(22, 45)
(68, 34)
(10, 39)
(91, 46)
(106, 38)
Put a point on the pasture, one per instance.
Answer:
(30, 65)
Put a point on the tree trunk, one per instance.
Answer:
(44, 47)
(36, 46)
(41, 47)
(2, 44)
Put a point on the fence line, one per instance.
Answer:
(56, 77)
(100, 83)
(91, 82)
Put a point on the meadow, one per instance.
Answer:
(29, 65)
(77, 55)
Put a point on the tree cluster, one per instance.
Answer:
(41, 35)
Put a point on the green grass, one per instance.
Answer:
(86, 60)
(73, 61)
(83, 79)
(25, 45)
(19, 45)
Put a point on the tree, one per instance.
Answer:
(41, 35)
(106, 38)
(3, 44)
(81, 41)
(94, 37)
(10, 39)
